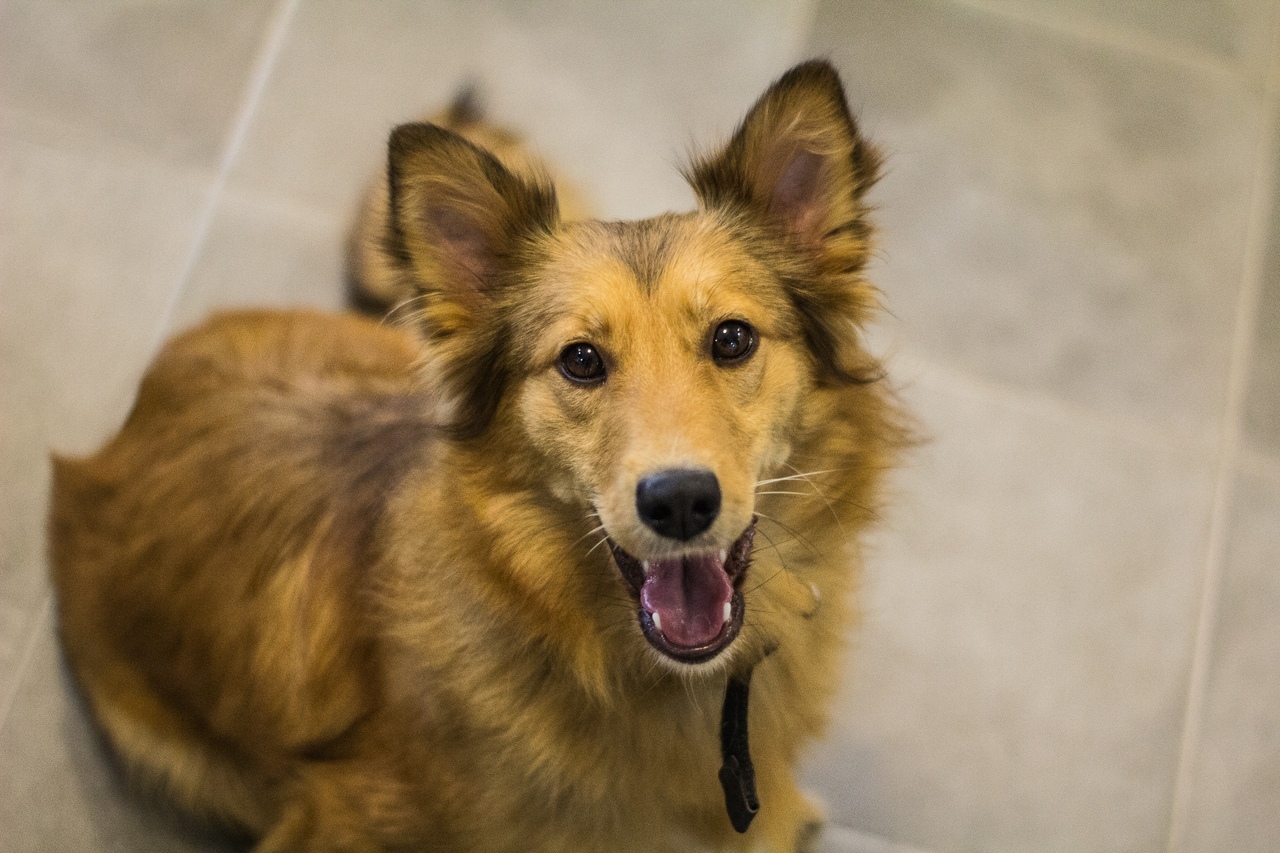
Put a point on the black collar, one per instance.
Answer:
(737, 775)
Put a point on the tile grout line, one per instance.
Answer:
(1256, 250)
(1115, 36)
(24, 663)
(263, 66)
(1260, 464)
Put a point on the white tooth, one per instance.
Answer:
(645, 566)
(723, 554)
(727, 609)
(657, 620)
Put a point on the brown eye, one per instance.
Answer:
(733, 340)
(582, 363)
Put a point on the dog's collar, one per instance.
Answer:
(737, 775)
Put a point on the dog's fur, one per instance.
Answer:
(376, 280)
(345, 585)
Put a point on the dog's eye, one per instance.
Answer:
(733, 340)
(582, 363)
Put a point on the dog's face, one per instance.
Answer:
(659, 369)
(664, 367)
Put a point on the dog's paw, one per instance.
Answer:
(808, 836)
(813, 818)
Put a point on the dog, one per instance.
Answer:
(500, 577)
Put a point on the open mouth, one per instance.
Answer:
(690, 605)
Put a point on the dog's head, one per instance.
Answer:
(656, 371)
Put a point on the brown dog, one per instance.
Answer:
(482, 586)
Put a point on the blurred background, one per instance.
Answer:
(1072, 613)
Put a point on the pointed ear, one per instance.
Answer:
(461, 228)
(458, 214)
(797, 158)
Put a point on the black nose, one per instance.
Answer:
(679, 503)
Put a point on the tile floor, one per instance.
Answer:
(1073, 613)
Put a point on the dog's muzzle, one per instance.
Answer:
(691, 606)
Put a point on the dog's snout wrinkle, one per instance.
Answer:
(678, 503)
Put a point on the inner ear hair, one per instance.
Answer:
(456, 211)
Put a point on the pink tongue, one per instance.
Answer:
(688, 596)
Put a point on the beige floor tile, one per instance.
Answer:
(263, 253)
(58, 791)
(165, 78)
(1236, 33)
(1020, 679)
(1056, 215)
(1262, 406)
(1237, 773)
(613, 93)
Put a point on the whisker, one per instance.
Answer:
(769, 547)
(603, 539)
(765, 581)
(839, 500)
(782, 570)
(819, 493)
(781, 562)
(774, 545)
(800, 475)
(778, 545)
(595, 529)
(654, 663)
(792, 531)
(693, 699)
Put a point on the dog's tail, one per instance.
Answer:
(466, 108)
(376, 280)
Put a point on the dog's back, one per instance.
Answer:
(216, 547)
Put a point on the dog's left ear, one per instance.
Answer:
(798, 158)
(462, 226)
(459, 214)
(798, 164)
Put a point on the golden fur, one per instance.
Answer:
(375, 279)
(345, 585)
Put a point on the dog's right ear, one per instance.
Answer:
(458, 214)
(798, 164)
(461, 223)
(799, 159)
